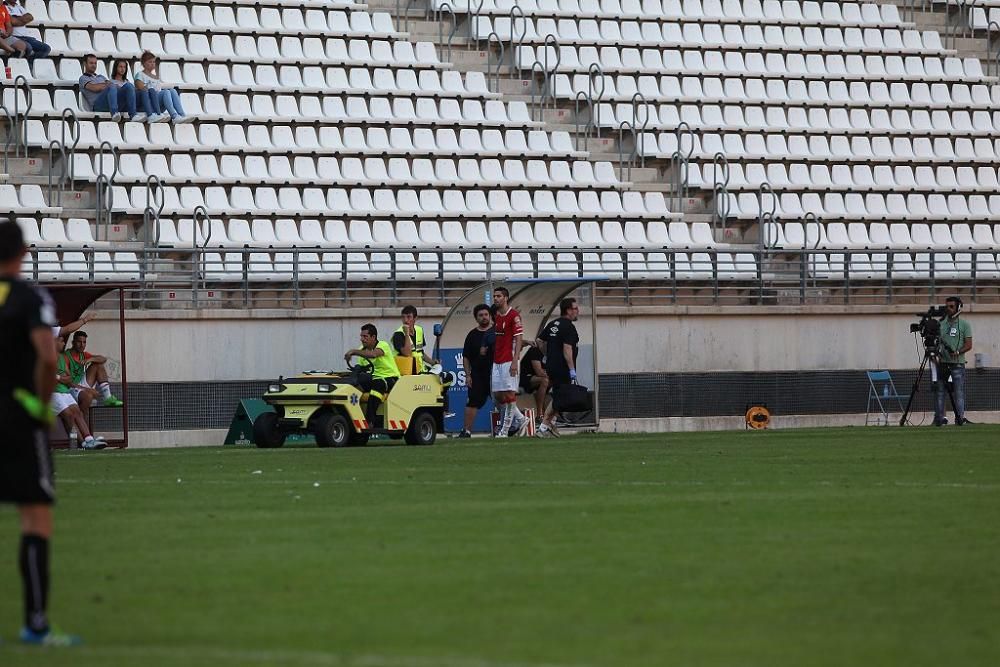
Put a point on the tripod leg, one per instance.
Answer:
(916, 387)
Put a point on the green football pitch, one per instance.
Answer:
(877, 546)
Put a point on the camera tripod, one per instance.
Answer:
(930, 355)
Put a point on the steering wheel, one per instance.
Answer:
(361, 367)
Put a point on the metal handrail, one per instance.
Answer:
(679, 185)
(638, 97)
(200, 214)
(154, 207)
(680, 161)
(581, 95)
(70, 124)
(105, 148)
(515, 13)
(21, 126)
(103, 206)
(537, 107)
(810, 218)
(676, 280)
(442, 8)
(765, 215)
(54, 193)
(622, 126)
(551, 42)
(403, 13)
(993, 28)
(720, 189)
(965, 8)
(10, 137)
(473, 17)
(501, 49)
(593, 73)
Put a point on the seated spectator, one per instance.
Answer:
(405, 360)
(119, 77)
(66, 407)
(533, 378)
(162, 97)
(104, 95)
(89, 377)
(9, 44)
(20, 18)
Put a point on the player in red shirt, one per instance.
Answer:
(506, 352)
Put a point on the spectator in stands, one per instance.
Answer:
(477, 360)
(66, 407)
(561, 342)
(20, 18)
(534, 379)
(405, 361)
(163, 98)
(102, 94)
(90, 378)
(9, 44)
(956, 340)
(119, 77)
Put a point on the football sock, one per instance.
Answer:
(34, 563)
(105, 389)
(508, 417)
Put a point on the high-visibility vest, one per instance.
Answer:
(418, 346)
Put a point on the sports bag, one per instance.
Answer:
(572, 398)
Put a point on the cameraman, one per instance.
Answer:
(956, 340)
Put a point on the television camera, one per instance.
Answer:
(929, 328)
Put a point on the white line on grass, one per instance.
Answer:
(288, 657)
(526, 482)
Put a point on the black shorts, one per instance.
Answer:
(479, 392)
(26, 473)
(526, 384)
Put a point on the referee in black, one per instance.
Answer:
(27, 316)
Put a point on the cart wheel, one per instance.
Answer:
(332, 430)
(265, 431)
(422, 430)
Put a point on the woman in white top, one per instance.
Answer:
(162, 97)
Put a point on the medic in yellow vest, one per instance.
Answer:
(384, 369)
(416, 334)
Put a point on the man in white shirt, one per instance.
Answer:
(19, 18)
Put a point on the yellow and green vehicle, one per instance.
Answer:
(331, 406)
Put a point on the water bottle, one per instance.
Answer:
(74, 438)
(885, 391)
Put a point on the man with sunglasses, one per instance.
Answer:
(956, 340)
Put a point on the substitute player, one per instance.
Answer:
(27, 316)
(506, 352)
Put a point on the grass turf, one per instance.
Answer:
(814, 547)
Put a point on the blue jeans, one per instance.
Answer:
(167, 100)
(36, 47)
(957, 373)
(113, 98)
(144, 101)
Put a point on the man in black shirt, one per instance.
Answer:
(561, 341)
(27, 317)
(534, 379)
(477, 359)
